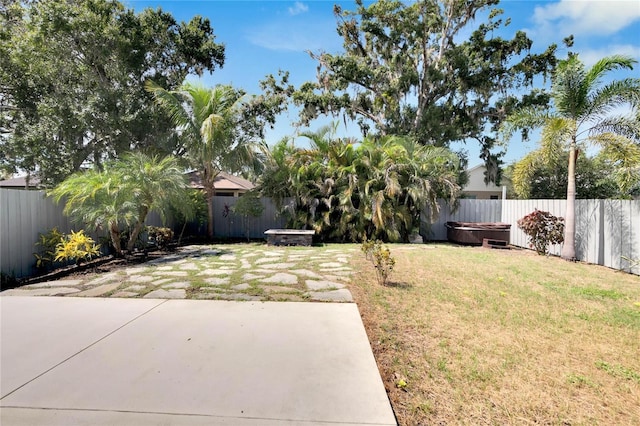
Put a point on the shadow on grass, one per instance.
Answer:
(400, 285)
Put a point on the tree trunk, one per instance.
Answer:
(569, 247)
(115, 238)
(136, 230)
(210, 223)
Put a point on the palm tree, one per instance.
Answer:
(581, 115)
(210, 123)
(97, 198)
(349, 191)
(399, 178)
(154, 184)
(123, 194)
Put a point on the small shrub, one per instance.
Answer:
(162, 237)
(76, 247)
(367, 248)
(543, 229)
(47, 244)
(8, 281)
(381, 258)
(248, 205)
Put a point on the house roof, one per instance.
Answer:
(20, 182)
(223, 182)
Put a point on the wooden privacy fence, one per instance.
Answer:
(228, 224)
(607, 231)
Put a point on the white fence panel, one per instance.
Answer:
(512, 210)
(23, 215)
(468, 211)
(606, 230)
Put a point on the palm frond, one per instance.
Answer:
(523, 119)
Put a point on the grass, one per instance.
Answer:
(476, 336)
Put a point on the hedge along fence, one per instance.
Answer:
(606, 230)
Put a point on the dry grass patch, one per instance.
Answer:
(476, 336)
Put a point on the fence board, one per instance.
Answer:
(606, 230)
(468, 211)
(229, 224)
(25, 214)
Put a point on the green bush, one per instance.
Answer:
(381, 258)
(76, 247)
(543, 229)
(161, 236)
(46, 245)
(248, 205)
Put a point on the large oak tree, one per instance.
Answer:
(73, 74)
(407, 69)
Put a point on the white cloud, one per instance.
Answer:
(298, 8)
(591, 56)
(296, 36)
(585, 17)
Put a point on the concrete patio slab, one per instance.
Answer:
(38, 333)
(192, 362)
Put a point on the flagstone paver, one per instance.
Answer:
(141, 278)
(278, 265)
(99, 291)
(52, 291)
(341, 295)
(229, 272)
(165, 294)
(282, 278)
(306, 273)
(135, 287)
(331, 265)
(125, 294)
(181, 284)
(60, 283)
(322, 285)
(217, 281)
(215, 272)
(250, 276)
(241, 286)
(103, 279)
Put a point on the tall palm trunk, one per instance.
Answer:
(569, 247)
(210, 224)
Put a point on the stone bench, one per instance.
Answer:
(289, 237)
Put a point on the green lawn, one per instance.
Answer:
(503, 337)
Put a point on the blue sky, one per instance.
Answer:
(262, 37)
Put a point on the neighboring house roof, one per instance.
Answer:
(223, 182)
(20, 182)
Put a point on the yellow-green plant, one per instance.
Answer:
(367, 248)
(76, 247)
(381, 258)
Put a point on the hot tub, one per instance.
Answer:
(474, 233)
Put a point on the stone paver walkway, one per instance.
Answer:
(223, 272)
